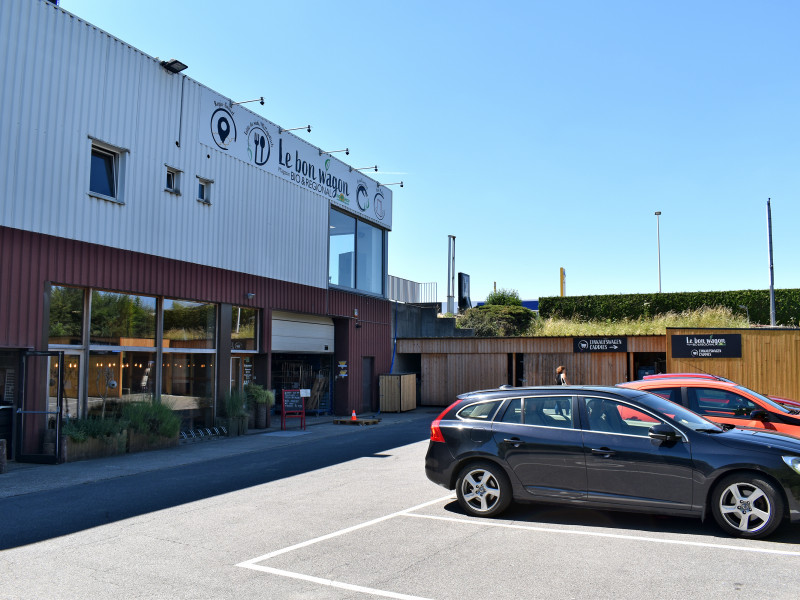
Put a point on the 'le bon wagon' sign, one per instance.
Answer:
(727, 345)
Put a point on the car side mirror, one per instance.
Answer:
(663, 432)
(759, 415)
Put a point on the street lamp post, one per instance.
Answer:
(658, 239)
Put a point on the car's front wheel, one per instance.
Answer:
(483, 489)
(747, 506)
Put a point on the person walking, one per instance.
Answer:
(561, 376)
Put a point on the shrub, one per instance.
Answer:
(235, 404)
(492, 320)
(634, 306)
(153, 418)
(258, 395)
(503, 297)
(80, 430)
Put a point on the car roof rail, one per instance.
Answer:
(685, 376)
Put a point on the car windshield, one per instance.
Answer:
(678, 413)
(771, 403)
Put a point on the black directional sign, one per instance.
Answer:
(725, 345)
(600, 344)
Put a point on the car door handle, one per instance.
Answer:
(604, 452)
(515, 441)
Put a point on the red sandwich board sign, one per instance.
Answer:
(293, 404)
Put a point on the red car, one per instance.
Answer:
(722, 401)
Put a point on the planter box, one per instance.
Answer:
(95, 447)
(142, 442)
(262, 416)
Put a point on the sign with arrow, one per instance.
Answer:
(599, 344)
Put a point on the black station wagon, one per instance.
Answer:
(612, 448)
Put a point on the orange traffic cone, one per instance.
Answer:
(354, 417)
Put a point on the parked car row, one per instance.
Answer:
(633, 447)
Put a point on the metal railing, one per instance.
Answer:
(411, 292)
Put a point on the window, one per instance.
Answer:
(369, 258)
(720, 403)
(544, 411)
(608, 416)
(356, 254)
(244, 329)
(105, 167)
(66, 316)
(106, 172)
(173, 179)
(483, 411)
(204, 190)
(122, 320)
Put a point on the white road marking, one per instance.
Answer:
(410, 512)
(488, 523)
(331, 583)
(251, 564)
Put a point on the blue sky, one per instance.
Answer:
(541, 134)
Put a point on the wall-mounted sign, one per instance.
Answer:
(341, 368)
(252, 139)
(714, 345)
(600, 344)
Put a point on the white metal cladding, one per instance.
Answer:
(293, 332)
(65, 83)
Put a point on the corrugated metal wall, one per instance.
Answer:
(28, 260)
(64, 82)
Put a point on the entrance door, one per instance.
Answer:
(39, 414)
(367, 367)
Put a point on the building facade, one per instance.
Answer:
(159, 241)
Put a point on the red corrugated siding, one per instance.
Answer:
(29, 260)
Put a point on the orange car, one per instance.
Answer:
(723, 401)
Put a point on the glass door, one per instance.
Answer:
(40, 412)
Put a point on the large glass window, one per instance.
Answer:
(356, 254)
(244, 329)
(66, 316)
(342, 239)
(122, 320)
(369, 258)
(189, 324)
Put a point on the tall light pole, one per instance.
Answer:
(771, 269)
(658, 239)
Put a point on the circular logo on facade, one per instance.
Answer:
(583, 345)
(223, 128)
(361, 197)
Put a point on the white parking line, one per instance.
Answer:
(488, 523)
(251, 564)
(410, 512)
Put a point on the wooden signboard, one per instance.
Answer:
(293, 404)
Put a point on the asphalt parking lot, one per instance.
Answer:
(537, 552)
(349, 514)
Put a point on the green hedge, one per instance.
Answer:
(634, 306)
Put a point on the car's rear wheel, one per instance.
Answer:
(483, 489)
(747, 506)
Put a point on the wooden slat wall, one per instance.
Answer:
(770, 362)
(451, 366)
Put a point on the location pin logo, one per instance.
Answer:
(223, 128)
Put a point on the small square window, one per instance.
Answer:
(104, 174)
(173, 181)
(107, 171)
(204, 190)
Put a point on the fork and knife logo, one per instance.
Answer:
(259, 152)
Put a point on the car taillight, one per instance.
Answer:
(436, 430)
